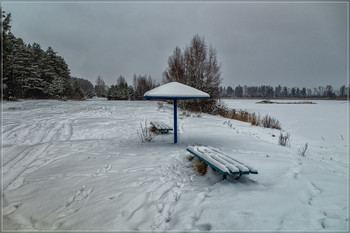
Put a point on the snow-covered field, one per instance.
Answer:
(81, 166)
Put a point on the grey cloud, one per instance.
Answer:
(294, 44)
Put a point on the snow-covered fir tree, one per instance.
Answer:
(30, 72)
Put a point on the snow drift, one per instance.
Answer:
(81, 166)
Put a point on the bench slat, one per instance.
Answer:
(161, 126)
(216, 158)
(223, 170)
(242, 166)
(220, 161)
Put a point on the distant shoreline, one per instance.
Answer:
(295, 102)
(300, 99)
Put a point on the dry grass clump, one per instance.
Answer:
(201, 167)
(160, 105)
(145, 133)
(190, 158)
(302, 151)
(185, 113)
(154, 130)
(242, 115)
(270, 122)
(255, 120)
(284, 140)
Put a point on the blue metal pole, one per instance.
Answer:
(175, 120)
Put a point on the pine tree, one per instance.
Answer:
(78, 93)
(120, 91)
(229, 91)
(48, 72)
(329, 92)
(123, 89)
(285, 93)
(239, 91)
(7, 42)
(131, 93)
(33, 86)
(57, 88)
(278, 91)
(342, 91)
(21, 71)
(86, 86)
(30, 72)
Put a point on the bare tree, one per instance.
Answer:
(198, 67)
(176, 70)
(121, 80)
(100, 87)
(142, 84)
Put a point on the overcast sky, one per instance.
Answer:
(288, 43)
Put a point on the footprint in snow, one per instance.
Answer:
(16, 184)
(103, 170)
(11, 208)
(117, 195)
(82, 193)
(315, 191)
(75, 202)
(204, 227)
(294, 172)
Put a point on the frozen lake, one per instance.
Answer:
(326, 120)
(81, 166)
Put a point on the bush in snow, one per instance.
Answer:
(270, 122)
(160, 105)
(145, 133)
(185, 113)
(302, 151)
(255, 120)
(242, 115)
(284, 140)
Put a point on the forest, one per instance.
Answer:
(264, 91)
(31, 72)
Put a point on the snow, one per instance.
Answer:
(175, 90)
(81, 166)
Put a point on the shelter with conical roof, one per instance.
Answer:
(175, 91)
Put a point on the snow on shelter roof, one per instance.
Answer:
(175, 90)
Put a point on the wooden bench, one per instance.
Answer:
(220, 161)
(161, 126)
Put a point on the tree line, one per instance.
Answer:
(264, 91)
(122, 91)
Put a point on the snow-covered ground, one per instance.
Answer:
(81, 166)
